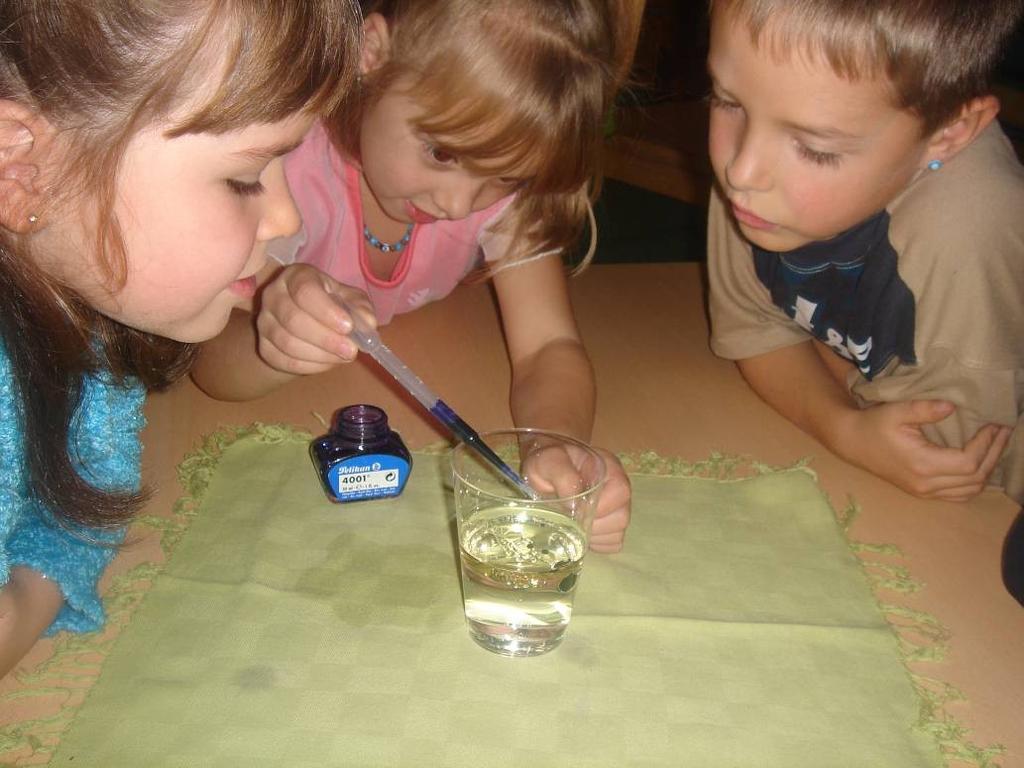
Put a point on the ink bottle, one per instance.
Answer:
(361, 457)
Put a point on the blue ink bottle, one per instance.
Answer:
(361, 457)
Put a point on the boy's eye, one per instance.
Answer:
(245, 188)
(819, 158)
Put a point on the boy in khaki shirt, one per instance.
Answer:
(866, 234)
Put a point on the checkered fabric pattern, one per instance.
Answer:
(736, 629)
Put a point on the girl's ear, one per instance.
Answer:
(24, 139)
(973, 118)
(376, 43)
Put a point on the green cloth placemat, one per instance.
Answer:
(737, 629)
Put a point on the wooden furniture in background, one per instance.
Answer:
(660, 137)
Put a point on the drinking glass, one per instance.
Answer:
(521, 558)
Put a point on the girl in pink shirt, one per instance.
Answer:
(468, 148)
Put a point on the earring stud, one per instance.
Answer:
(934, 165)
(32, 218)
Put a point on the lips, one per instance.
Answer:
(418, 216)
(246, 287)
(750, 219)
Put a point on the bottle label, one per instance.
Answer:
(368, 476)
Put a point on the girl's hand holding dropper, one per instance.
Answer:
(301, 328)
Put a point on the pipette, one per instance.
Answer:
(369, 341)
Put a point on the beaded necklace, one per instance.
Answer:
(397, 247)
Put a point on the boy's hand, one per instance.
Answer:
(302, 329)
(554, 470)
(888, 442)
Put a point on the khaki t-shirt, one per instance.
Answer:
(957, 238)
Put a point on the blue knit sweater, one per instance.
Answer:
(104, 441)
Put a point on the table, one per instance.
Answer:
(660, 389)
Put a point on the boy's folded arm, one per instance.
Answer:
(795, 382)
(980, 431)
(886, 439)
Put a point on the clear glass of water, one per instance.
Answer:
(522, 558)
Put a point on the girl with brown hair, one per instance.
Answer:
(140, 181)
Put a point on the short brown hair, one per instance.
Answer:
(937, 54)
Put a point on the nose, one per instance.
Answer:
(457, 197)
(749, 166)
(280, 217)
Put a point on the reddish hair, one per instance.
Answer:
(528, 81)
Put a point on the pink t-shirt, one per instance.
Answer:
(326, 191)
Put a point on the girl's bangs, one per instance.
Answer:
(295, 57)
(514, 132)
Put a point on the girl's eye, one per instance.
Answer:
(439, 155)
(830, 159)
(717, 102)
(245, 188)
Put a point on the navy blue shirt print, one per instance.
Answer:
(846, 292)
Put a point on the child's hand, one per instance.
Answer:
(302, 329)
(889, 443)
(613, 508)
(557, 470)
